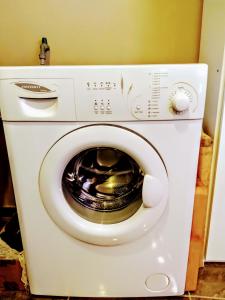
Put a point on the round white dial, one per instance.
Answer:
(180, 100)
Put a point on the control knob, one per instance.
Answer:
(180, 100)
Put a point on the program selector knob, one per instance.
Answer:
(180, 100)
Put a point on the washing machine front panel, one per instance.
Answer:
(76, 268)
(104, 184)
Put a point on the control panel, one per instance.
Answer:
(148, 92)
(103, 93)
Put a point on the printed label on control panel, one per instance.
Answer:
(101, 86)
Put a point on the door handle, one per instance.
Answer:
(152, 191)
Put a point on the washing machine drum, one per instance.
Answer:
(103, 184)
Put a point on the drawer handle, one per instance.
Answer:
(39, 99)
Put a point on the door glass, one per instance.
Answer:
(103, 185)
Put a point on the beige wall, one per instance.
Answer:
(100, 31)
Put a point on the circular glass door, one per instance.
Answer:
(103, 185)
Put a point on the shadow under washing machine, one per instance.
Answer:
(104, 162)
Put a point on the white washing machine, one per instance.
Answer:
(104, 161)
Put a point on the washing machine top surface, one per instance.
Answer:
(103, 93)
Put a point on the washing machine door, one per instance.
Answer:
(103, 184)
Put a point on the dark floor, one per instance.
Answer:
(211, 285)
